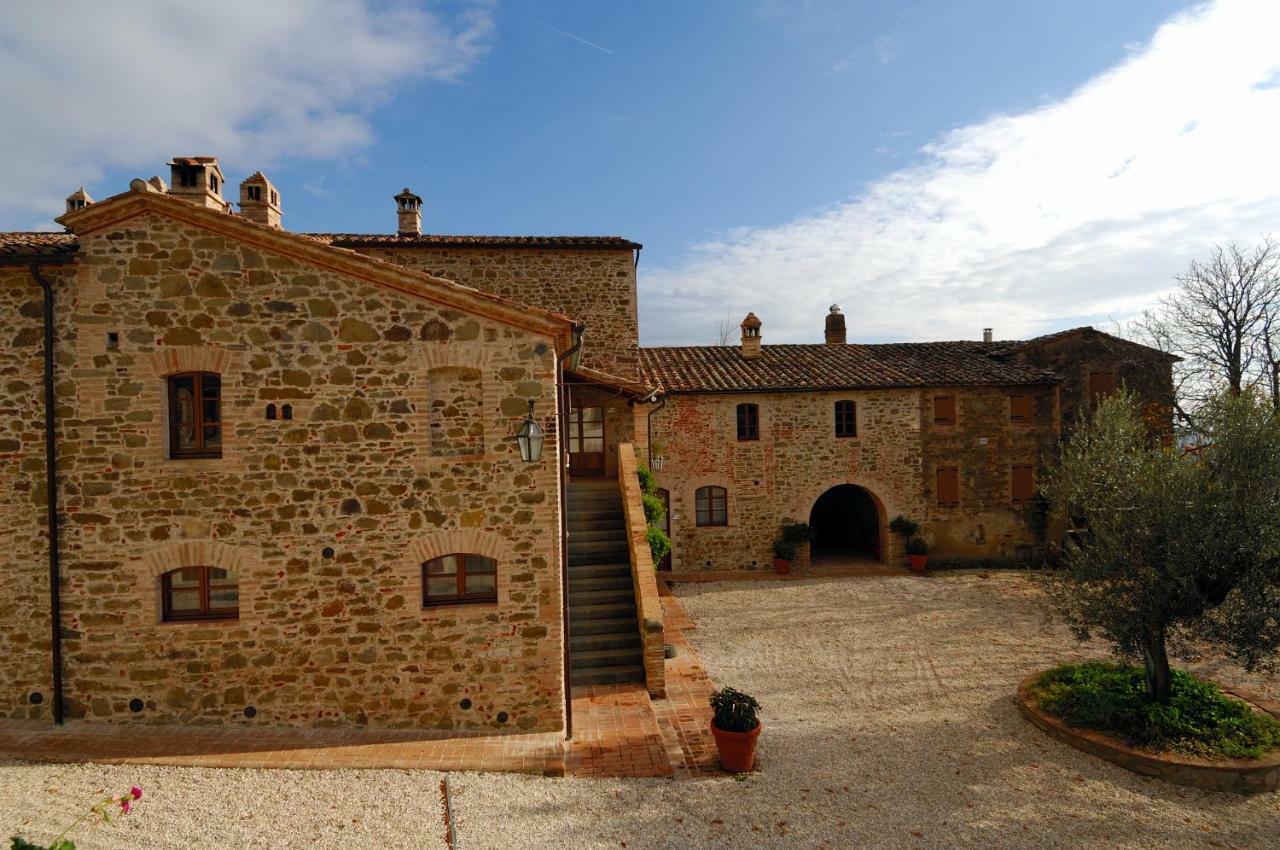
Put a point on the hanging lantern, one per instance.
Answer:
(656, 463)
(530, 438)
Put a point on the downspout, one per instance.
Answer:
(648, 424)
(562, 422)
(51, 492)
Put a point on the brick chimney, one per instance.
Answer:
(835, 332)
(78, 200)
(409, 213)
(197, 180)
(259, 200)
(750, 337)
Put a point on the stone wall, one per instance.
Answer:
(25, 668)
(1145, 371)
(983, 445)
(595, 286)
(894, 458)
(324, 518)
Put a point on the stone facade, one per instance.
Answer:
(596, 287)
(400, 449)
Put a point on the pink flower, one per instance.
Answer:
(136, 792)
(124, 806)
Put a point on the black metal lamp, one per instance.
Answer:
(530, 438)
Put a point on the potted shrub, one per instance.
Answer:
(917, 553)
(735, 727)
(784, 552)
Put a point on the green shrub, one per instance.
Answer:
(784, 549)
(654, 511)
(917, 546)
(659, 543)
(734, 710)
(1198, 720)
(904, 527)
(648, 484)
(796, 533)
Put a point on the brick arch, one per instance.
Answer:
(445, 355)
(801, 507)
(470, 541)
(241, 562)
(171, 360)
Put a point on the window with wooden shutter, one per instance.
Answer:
(195, 415)
(1020, 409)
(748, 422)
(944, 410)
(948, 486)
(1024, 484)
(846, 419)
(1101, 385)
(711, 506)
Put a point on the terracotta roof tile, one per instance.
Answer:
(438, 240)
(37, 243)
(813, 367)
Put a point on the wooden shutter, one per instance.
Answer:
(1101, 385)
(1024, 484)
(944, 410)
(1020, 408)
(948, 485)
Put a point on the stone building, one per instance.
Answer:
(298, 479)
(846, 437)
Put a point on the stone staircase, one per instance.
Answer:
(604, 637)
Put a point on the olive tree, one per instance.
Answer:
(1165, 545)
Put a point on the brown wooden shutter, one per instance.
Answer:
(1024, 484)
(948, 485)
(1020, 408)
(944, 410)
(1101, 385)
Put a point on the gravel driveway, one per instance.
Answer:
(889, 723)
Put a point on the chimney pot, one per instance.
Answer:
(835, 329)
(197, 180)
(986, 335)
(78, 200)
(260, 200)
(750, 337)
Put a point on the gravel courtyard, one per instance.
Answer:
(889, 723)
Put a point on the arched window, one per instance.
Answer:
(459, 578)
(712, 506)
(195, 415)
(846, 419)
(200, 593)
(748, 422)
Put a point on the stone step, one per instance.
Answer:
(606, 596)
(609, 611)
(599, 570)
(611, 524)
(620, 556)
(589, 584)
(609, 640)
(598, 535)
(586, 547)
(594, 515)
(583, 486)
(603, 626)
(605, 658)
(608, 675)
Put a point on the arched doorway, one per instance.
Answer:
(846, 524)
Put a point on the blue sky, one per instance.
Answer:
(771, 156)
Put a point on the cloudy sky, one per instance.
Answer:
(934, 166)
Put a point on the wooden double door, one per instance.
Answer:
(585, 440)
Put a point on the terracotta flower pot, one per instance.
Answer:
(782, 566)
(737, 749)
(918, 562)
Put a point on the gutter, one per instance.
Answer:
(51, 492)
(562, 416)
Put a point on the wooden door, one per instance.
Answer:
(586, 441)
(665, 496)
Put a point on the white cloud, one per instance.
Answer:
(93, 85)
(1078, 211)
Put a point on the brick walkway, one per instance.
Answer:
(684, 717)
(615, 733)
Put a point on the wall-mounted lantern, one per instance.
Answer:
(655, 463)
(530, 438)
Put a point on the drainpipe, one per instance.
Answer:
(648, 424)
(563, 418)
(51, 492)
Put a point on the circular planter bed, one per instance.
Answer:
(1243, 776)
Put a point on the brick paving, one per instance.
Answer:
(615, 733)
(684, 717)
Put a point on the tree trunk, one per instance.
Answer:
(1159, 679)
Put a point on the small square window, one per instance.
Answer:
(944, 410)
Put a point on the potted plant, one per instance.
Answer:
(735, 727)
(917, 553)
(784, 552)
